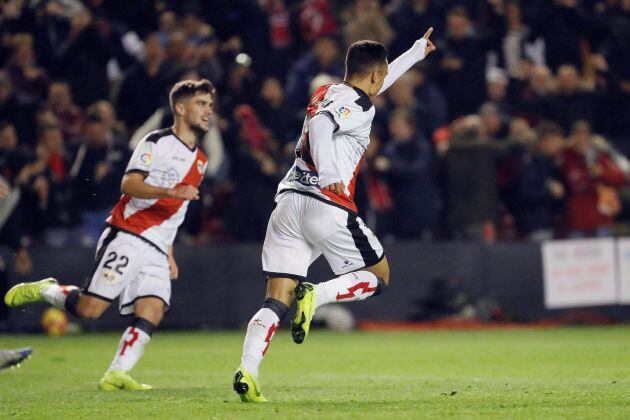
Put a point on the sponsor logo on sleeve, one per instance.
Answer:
(146, 158)
(342, 112)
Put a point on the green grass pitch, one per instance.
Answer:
(513, 373)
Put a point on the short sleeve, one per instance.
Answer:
(143, 158)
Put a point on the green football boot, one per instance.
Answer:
(115, 380)
(305, 295)
(24, 293)
(247, 387)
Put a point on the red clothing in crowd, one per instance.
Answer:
(583, 199)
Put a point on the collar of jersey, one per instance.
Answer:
(194, 149)
(364, 100)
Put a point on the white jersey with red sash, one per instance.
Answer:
(352, 112)
(167, 162)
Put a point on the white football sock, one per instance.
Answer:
(56, 295)
(130, 349)
(349, 287)
(260, 331)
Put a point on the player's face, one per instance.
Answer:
(197, 112)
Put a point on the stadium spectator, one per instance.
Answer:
(364, 19)
(539, 184)
(406, 17)
(316, 20)
(106, 112)
(592, 181)
(144, 85)
(17, 112)
(274, 111)
(324, 57)
(406, 162)
(462, 60)
(519, 43)
(470, 182)
(497, 85)
(98, 164)
(70, 116)
(562, 24)
(613, 62)
(58, 210)
(82, 59)
(29, 80)
(209, 63)
(530, 95)
(570, 103)
(280, 36)
(254, 173)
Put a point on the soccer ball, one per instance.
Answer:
(54, 322)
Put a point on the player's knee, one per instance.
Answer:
(381, 285)
(152, 311)
(381, 271)
(156, 316)
(276, 306)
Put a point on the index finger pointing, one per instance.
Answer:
(428, 33)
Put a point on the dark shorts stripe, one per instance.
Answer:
(361, 242)
(125, 305)
(99, 256)
(88, 293)
(284, 276)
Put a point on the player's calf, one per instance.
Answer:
(85, 306)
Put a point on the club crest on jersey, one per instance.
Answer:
(342, 112)
(146, 158)
(200, 166)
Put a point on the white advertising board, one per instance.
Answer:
(623, 252)
(579, 273)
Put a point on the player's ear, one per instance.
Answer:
(179, 108)
(375, 75)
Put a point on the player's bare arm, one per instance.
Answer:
(174, 269)
(133, 185)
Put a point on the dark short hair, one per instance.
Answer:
(362, 56)
(188, 88)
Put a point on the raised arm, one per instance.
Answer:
(419, 50)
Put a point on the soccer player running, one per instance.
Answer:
(315, 212)
(134, 256)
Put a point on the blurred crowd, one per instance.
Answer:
(516, 127)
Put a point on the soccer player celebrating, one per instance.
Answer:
(315, 212)
(134, 256)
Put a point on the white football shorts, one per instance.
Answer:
(302, 227)
(130, 268)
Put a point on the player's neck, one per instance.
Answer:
(363, 84)
(185, 134)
